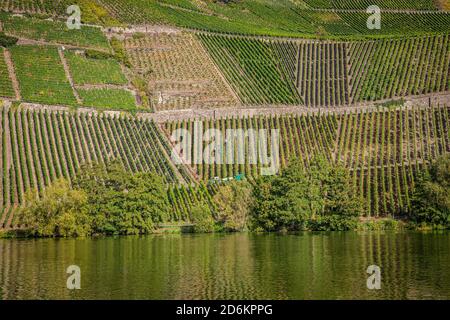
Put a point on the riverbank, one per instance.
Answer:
(363, 224)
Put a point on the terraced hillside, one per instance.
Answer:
(319, 70)
(384, 4)
(330, 73)
(53, 7)
(315, 55)
(41, 75)
(283, 17)
(184, 70)
(179, 72)
(53, 65)
(41, 146)
(54, 31)
(393, 68)
(383, 149)
(251, 68)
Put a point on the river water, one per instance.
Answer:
(328, 265)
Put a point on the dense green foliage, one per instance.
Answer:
(119, 52)
(120, 202)
(431, 199)
(202, 219)
(317, 198)
(40, 146)
(383, 149)
(60, 212)
(93, 13)
(7, 41)
(106, 199)
(233, 202)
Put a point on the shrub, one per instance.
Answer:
(319, 196)
(202, 219)
(7, 41)
(99, 55)
(233, 203)
(431, 199)
(60, 212)
(120, 53)
(333, 223)
(121, 202)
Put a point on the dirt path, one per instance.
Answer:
(69, 75)
(442, 98)
(24, 41)
(12, 73)
(267, 110)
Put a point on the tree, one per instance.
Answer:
(121, 202)
(202, 219)
(431, 198)
(60, 212)
(233, 202)
(301, 198)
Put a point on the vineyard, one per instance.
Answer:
(94, 71)
(54, 32)
(314, 55)
(53, 7)
(41, 146)
(325, 73)
(364, 4)
(6, 88)
(251, 68)
(184, 198)
(383, 149)
(179, 72)
(388, 68)
(305, 18)
(400, 24)
(118, 99)
(41, 75)
(319, 71)
(48, 75)
(286, 18)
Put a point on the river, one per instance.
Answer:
(328, 265)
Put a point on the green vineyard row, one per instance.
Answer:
(322, 73)
(382, 149)
(41, 146)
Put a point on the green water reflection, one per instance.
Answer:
(235, 266)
